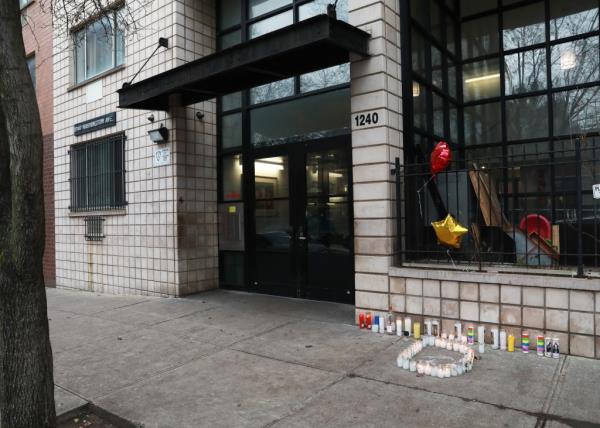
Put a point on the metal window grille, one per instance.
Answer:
(98, 174)
(94, 228)
(535, 212)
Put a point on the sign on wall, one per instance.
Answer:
(162, 157)
(596, 189)
(100, 122)
(368, 119)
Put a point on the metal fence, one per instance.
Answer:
(536, 210)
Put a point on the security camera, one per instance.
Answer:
(151, 118)
(199, 115)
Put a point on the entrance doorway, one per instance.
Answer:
(301, 241)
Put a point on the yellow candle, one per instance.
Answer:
(417, 329)
(511, 343)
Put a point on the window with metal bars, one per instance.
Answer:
(94, 228)
(98, 174)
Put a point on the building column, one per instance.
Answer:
(376, 141)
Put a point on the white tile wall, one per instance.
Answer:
(159, 246)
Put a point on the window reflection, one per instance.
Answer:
(272, 91)
(231, 167)
(302, 119)
(271, 24)
(318, 7)
(525, 71)
(527, 118)
(230, 39)
(482, 124)
(470, 7)
(320, 79)
(577, 111)
(481, 80)
(260, 7)
(418, 54)
(524, 26)
(569, 18)
(231, 130)
(575, 62)
(480, 37)
(231, 13)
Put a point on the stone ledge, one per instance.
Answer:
(505, 278)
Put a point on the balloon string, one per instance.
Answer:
(451, 259)
(419, 195)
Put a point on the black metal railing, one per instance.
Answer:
(97, 174)
(534, 210)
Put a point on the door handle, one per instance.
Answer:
(302, 238)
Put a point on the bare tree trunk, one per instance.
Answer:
(26, 380)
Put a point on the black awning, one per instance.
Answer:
(309, 45)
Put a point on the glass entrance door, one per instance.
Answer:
(303, 245)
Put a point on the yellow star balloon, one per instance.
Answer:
(449, 232)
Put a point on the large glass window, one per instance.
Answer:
(520, 103)
(302, 108)
(570, 18)
(98, 47)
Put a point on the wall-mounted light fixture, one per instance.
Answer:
(160, 135)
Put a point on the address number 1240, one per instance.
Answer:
(366, 119)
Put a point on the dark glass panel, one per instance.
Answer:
(271, 178)
(230, 39)
(271, 24)
(260, 7)
(524, 26)
(320, 79)
(577, 112)
(318, 7)
(419, 105)
(471, 7)
(230, 13)
(482, 124)
(527, 118)
(436, 66)
(569, 18)
(302, 119)
(232, 268)
(439, 113)
(272, 91)
(231, 130)
(480, 37)
(231, 101)
(575, 62)
(481, 80)
(231, 167)
(525, 71)
(419, 52)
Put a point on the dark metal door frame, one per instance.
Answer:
(297, 159)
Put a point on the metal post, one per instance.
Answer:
(398, 177)
(579, 209)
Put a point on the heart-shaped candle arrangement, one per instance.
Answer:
(440, 366)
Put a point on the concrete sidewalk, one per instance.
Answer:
(227, 359)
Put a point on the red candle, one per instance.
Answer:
(361, 320)
(368, 320)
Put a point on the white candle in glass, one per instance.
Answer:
(456, 347)
(400, 361)
(408, 325)
(495, 339)
(406, 364)
(449, 345)
(447, 372)
(434, 371)
(503, 340)
(453, 370)
(399, 331)
(428, 369)
(440, 373)
(463, 340)
(481, 348)
(458, 329)
(420, 368)
(413, 366)
(428, 327)
(481, 334)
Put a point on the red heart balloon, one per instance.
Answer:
(440, 157)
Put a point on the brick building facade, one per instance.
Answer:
(37, 37)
